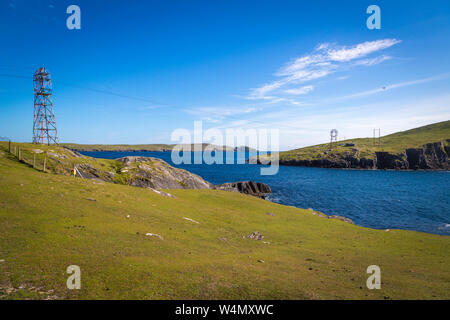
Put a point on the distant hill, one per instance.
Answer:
(118, 147)
(141, 147)
(428, 148)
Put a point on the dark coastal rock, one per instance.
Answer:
(386, 160)
(367, 163)
(436, 155)
(416, 159)
(256, 189)
(349, 162)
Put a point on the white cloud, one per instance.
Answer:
(260, 93)
(322, 46)
(373, 61)
(301, 90)
(326, 60)
(360, 50)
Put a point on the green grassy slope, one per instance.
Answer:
(48, 222)
(61, 160)
(393, 143)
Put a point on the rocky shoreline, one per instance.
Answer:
(154, 173)
(432, 156)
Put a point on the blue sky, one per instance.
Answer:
(137, 70)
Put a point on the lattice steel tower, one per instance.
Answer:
(44, 124)
(333, 137)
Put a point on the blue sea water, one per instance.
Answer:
(413, 200)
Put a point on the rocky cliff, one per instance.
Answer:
(158, 174)
(432, 156)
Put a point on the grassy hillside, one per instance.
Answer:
(365, 148)
(154, 172)
(48, 222)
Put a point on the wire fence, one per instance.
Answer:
(35, 158)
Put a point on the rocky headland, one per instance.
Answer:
(431, 156)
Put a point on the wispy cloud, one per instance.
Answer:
(373, 61)
(391, 86)
(326, 59)
(217, 114)
(301, 90)
(360, 50)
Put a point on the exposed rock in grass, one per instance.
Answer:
(74, 153)
(270, 214)
(88, 171)
(162, 193)
(56, 155)
(154, 235)
(341, 218)
(316, 213)
(255, 236)
(191, 220)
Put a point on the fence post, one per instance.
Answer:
(19, 154)
(34, 160)
(45, 160)
(9, 146)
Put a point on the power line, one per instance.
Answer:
(151, 101)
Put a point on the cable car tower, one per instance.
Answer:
(44, 124)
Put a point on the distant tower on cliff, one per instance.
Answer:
(376, 140)
(333, 137)
(44, 124)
